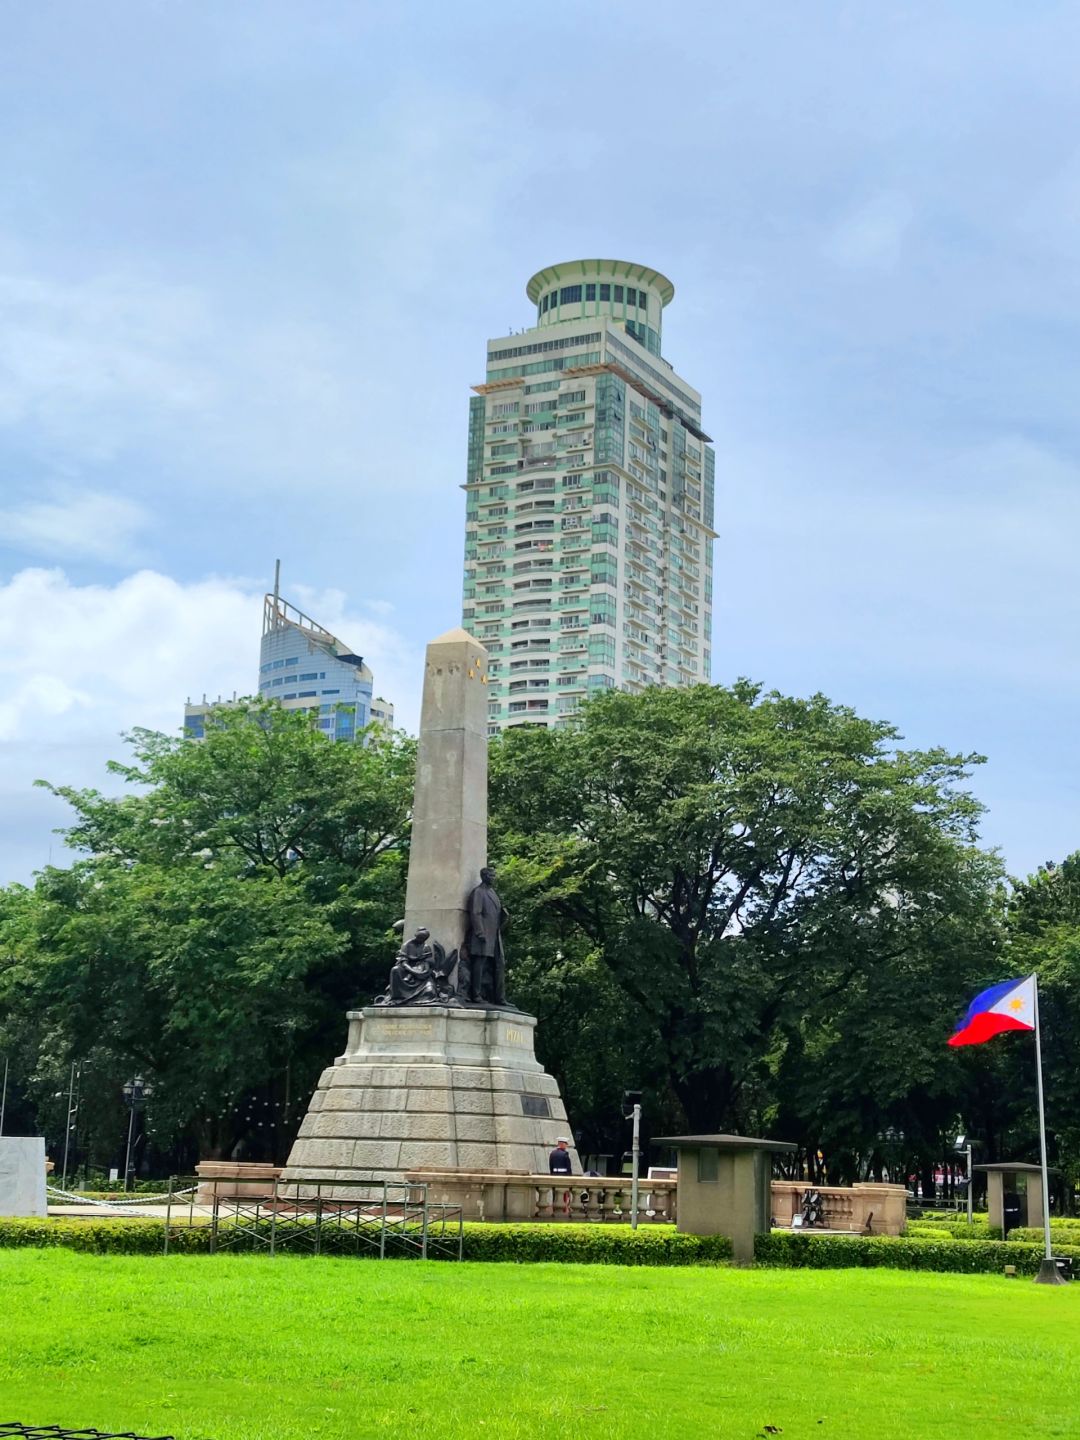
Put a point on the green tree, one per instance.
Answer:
(1043, 933)
(229, 907)
(783, 897)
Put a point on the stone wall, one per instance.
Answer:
(865, 1208)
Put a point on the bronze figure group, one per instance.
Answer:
(472, 976)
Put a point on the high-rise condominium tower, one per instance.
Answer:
(588, 549)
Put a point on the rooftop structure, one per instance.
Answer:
(303, 666)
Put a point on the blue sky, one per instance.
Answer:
(250, 255)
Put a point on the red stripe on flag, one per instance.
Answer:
(985, 1026)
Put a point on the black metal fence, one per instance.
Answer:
(58, 1432)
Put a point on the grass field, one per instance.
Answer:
(248, 1348)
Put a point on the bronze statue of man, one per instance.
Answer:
(484, 921)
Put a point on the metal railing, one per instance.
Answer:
(330, 1216)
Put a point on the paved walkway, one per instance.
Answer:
(178, 1213)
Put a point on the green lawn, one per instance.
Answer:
(249, 1348)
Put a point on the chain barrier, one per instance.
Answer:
(134, 1205)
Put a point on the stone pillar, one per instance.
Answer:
(449, 826)
(22, 1176)
(725, 1186)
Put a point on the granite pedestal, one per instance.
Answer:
(431, 1087)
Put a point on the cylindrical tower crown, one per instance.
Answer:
(633, 294)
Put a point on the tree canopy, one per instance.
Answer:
(763, 911)
(792, 907)
(223, 913)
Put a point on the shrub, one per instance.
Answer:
(593, 1244)
(104, 1237)
(580, 1244)
(959, 1230)
(1061, 1233)
(789, 1249)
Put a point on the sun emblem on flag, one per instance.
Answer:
(1016, 1004)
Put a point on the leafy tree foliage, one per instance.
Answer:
(1043, 936)
(229, 907)
(761, 910)
(791, 908)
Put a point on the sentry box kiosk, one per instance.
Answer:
(1013, 1194)
(725, 1186)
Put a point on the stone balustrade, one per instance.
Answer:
(231, 1179)
(500, 1195)
(868, 1207)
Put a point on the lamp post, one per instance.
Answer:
(135, 1091)
(963, 1147)
(632, 1111)
(72, 1116)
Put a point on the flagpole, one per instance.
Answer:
(1048, 1271)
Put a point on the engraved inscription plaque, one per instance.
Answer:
(538, 1106)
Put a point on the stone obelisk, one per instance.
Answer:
(428, 1082)
(449, 827)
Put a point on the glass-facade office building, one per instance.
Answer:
(305, 667)
(588, 551)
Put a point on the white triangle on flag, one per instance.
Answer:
(1018, 1003)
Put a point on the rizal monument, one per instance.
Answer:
(439, 1072)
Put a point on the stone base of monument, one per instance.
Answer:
(430, 1087)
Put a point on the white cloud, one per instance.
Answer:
(79, 664)
(90, 525)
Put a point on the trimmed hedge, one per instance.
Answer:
(791, 1250)
(104, 1237)
(523, 1244)
(593, 1244)
(959, 1231)
(950, 1217)
(1060, 1234)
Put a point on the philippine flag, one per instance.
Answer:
(1008, 1006)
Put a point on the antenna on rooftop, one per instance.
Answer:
(277, 583)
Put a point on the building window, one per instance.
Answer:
(605, 292)
(631, 297)
(544, 304)
(569, 294)
(590, 292)
(294, 661)
(331, 692)
(618, 294)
